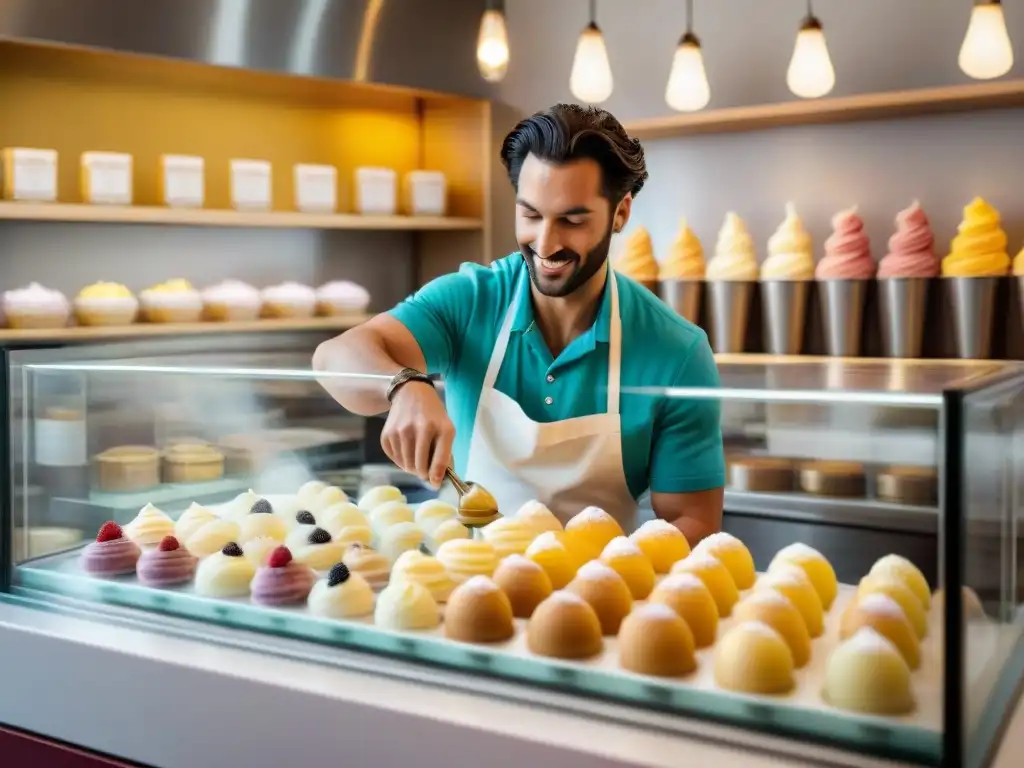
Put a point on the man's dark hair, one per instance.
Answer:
(567, 132)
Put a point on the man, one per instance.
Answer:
(539, 350)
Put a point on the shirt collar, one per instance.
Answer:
(523, 320)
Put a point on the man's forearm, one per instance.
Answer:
(694, 529)
(370, 369)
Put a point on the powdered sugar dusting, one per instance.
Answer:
(769, 596)
(620, 546)
(479, 585)
(656, 529)
(519, 562)
(591, 515)
(758, 628)
(658, 611)
(565, 597)
(799, 551)
(544, 542)
(720, 541)
(787, 573)
(699, 561)
(879, 603)
(681, 582)
(867, 640)
(596, 571)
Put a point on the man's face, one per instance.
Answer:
(564, 224)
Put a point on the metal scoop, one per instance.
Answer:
(477, 507)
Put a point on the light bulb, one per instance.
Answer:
(591, 78)
(986, 51)
(688, 89)
(810, 72)
(492, 46)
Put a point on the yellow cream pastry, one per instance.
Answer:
(754, 658)
(626, 559)
(369, 564)
(262, 522)
(424, 570)
(884, 615)
(775, 610)
(406, 605)
(338, 516)
(688, 596)
(526, 584)
(662, 543)
(636, 260)
(308, 492)
(815, 565)
(326, 498)
(866, 673)
(509, 536)
(105, 304)
(539, 517)
(258, 550)
(173, 301)
(212, 537)
(446, 531)
(465, 558)
(431, 514)
(241, 505)
(564, 626)
(479, 612)
(734, 556)
(790, 253)
(979, 248)
(903, 570)
(399, 538)
(478, 502)
(353, 534)
(734, 257)
(654, 640)
(551, 555)
(319, 551)
(899, 592)
(591, 530)
(606, 592)
(374, 497)
(685, 258)
(191, 520)
(149, 527)
(791, 581)
(344, 594)
(227, 573)
(390, 513)
(716, 578)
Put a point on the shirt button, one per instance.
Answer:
(550, 378)
(548, 401)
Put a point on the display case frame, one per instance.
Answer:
(951, 402)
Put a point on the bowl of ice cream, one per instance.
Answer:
(35, 306)
(105, 303)
(173, 301)
(681, 276)
(786, 277)
(730, 276)
(636, 259)
(843, 275)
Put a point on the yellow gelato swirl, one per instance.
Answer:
(979, 248)
(176, 285)
(685, 258)
(734, 257)
(1018, 263)
(637, 258)
(790, 253)
(103, 290)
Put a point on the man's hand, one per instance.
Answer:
(418, 434)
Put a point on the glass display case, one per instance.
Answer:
(848, 460)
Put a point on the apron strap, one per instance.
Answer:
(501, 343)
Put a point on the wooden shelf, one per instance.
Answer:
(842, 109)
(151, 330)
(209, 217)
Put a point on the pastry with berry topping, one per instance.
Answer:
(227, 573)
(369, 564)
(212, 537)
(261, 521)
(149, 527)
(282, 581)
(258, 550)
(319, 550)
(112, 554)
(343, 594)
(170, 563)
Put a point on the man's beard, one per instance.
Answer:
(558, 287)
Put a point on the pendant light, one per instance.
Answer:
(986, 51)
(591, 78)
(810, 72)
(688, 89)
(492, 43)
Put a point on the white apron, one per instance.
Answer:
(567, 465)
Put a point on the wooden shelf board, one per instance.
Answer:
(150, 330)
(209, 217)
(841, 109)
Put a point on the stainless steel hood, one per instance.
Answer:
(417, 43)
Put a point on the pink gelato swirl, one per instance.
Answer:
(911, 248)
(847, 250)
(283, 585)
(111, 558)
(160, 568)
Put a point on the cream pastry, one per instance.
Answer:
(564, 626)
(606, 592)
(479, 612)
(111, 554)
(688, 596)
(241, 505)
(344, 594)
(446, 531)
(406, 605)
(716, 578)
(509, 536)
(338, 516)
(431, 514)
(319, 551)
(149, 527)
(282, 581)
(539, 517)
(258, 550)
(465, 558)
(288, 300)
(774, 609)
(353, 534)
(550, 554)
(326, 498)
(626, 559)
(399, 538)
(818, 569)
(662, 543)
(308, 491)
(105, 304)
(790, 252)
(390, 513)
(654, 640)
(866, 673)
(168, 564)
(35, 306)
(227, 573)
(341, 298)
(526, 584)
(262, 522)
(734, 257)
(792, 582)
(378, 495)
(369, 564)
(174, 301)
(231, 301)
(591, 530)
(212, 537)
(884, 615)
(899, 592)
(636, 260)
(754, 658)
(733, 554)
(905, 571)
(191, 520)
(425, 570)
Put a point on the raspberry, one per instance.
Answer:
(231, 549)
(109, 531)
(261, 507)
(339, 575)
(280, 557)
(168, 544)
(319, 536)
(305, 518)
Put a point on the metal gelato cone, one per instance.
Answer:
(683, 296)
(902, 302)
(972, 299)
(842, 309)
(729, 302)
(785, 313)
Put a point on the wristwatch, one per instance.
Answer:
(403, 377)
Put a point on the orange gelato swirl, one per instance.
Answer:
(685, 258)
(637, 260)
(979, 248)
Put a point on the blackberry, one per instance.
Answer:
(319, 536)
(232, 550)
(261, 507)
(305, 518)
(339, 575)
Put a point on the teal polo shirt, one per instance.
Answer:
(669, 445)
